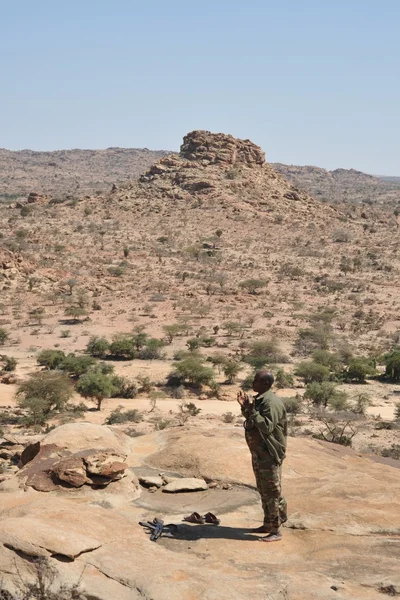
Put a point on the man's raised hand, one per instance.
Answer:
(243, 399)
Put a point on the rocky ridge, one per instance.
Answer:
(341, 185)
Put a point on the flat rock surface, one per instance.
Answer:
(186, 484)
(342, 543)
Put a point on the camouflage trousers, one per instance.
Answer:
(268, 479)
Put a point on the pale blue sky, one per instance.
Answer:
(311, 81)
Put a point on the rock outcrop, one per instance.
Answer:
(77, 457)
(211, 148)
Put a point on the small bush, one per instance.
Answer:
(152, 350)
(42, 394)
(283, 380)
(123, 348)
(253, 285)
(359, 369)
(392, 452)
(193, 371)
(231, 369)
(8, 364)
(98, 347)
(129, 416)
(3, 336)
(264, 352)
(146, 385)
(320, 393)
(397, 411)
(228, 417)
(292, 405)
(338, 401)
(311, 371)
(123, 387)
(392, 362)
(50, 359)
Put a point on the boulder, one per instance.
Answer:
(185, 484)
(151, 481)
(84, 436)
(72, 471)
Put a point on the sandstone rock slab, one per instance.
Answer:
(185, 484)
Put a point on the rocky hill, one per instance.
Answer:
(83, 172)
(342, 185)
(70, 172)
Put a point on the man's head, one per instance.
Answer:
(263, 381)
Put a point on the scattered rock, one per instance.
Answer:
(185, 484)
(151, 481)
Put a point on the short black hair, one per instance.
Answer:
(265, 377)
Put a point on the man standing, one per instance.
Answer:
(266, 434)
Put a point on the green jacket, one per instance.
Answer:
(266, 426)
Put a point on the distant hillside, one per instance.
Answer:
(73, 172)
(342, 185)
(86, 172)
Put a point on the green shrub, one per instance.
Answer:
(264, 352)
(231, 369)
(51, 359)
(292, 405)
(327, 359)
(76, 313)
(174, 330)
(129, 416)
(311, 371)
(392, 362)
(152, 350)
(359, 369)
(320, 393)
(193, 344)
(362, 401)
(76, 364)
(44, 393)
(247, 383)
(123, 348)
(146, 384)
(338, 401)
(283, 379)
(123, 387)
(192, 371)
(313, 338)
(9, 364)
(3, 336)
(98, 347)
(397, 411)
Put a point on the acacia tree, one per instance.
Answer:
(96, 386)
(43, 393)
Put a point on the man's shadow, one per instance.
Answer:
(193, 533)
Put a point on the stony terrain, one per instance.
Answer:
(343, 185)
(69, 172)
(210, 251)
(76, 173)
